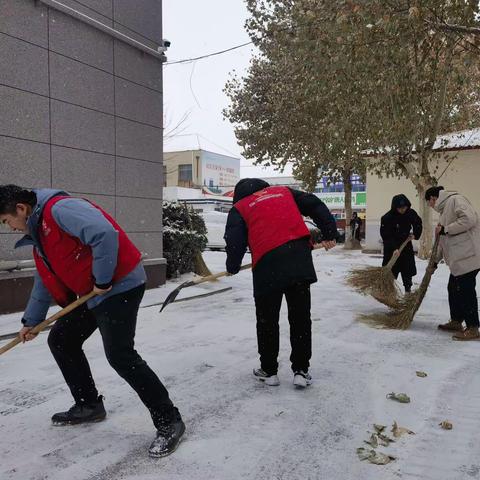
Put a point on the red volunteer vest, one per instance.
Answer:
(272, 219)
(70, 272)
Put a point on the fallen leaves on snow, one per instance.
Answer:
(446, 425)
(379, 428)
(400, 431)
(377, 458)
(399, 397)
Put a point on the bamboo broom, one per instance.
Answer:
(200, 267)
(378, 282)
(401, 317)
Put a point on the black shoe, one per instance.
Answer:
(169, 435)
(81, 413)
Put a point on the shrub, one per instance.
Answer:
(184, 236)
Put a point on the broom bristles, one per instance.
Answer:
(401, 316)
(378, 282)
(200, 266)
(398, 318)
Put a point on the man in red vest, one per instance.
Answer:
(78, 248)
(269, 220)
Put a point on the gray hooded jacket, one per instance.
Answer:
(78, 218)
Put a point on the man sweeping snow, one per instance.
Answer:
(78, 248)
(268, 219)
(459, 231)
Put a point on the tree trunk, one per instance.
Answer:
(425, 180)
(350, 242)
(425, 212)
(419, 174)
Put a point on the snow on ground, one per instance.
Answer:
(237, 428)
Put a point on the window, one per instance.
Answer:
(185, 175)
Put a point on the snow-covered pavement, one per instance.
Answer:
(237, 428)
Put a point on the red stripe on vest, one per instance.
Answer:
(70, 261)
(272, 219)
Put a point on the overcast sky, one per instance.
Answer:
(195, 90)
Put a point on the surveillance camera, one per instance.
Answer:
(164, 45)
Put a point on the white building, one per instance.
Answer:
(458, 166)
(201, 199)
(332, 194)
(200, 168)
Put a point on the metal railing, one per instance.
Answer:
(105, 28)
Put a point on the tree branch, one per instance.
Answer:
(447, 27)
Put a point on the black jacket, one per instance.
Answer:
(395, 229)
(287, 264)
(356, 227)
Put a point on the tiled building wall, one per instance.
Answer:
(82, 111)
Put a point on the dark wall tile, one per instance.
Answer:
(26, 20)
(137, 178)
(138, 103)
(80, 171)
(142, 16)
(139, 141)
(77, 83)
(24, 115)
(139, 215)
(24, 163)
(24, 65)
(139, 67)
(80, 41)
(78, 127)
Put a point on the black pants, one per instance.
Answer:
(268, 313)
(406, 279)
(116, 318)
(462, 298)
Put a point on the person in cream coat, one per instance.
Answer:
(459, 231)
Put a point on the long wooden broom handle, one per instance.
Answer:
(210, 278)
(215, 276)
(394, 258)
(41, 326)
(433, 255)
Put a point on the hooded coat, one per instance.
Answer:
(287, 264)
(460, 246)
(395, 229)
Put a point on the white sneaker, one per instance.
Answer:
(302, 379)
(271, 380)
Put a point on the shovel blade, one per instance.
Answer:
(174, 294)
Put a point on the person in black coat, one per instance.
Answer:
(355, 226)
(284, 270)
(400, 223)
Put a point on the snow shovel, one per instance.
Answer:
(173, 295)
(210, 278)
(41, 326)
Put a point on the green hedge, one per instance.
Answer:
(184, 235)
